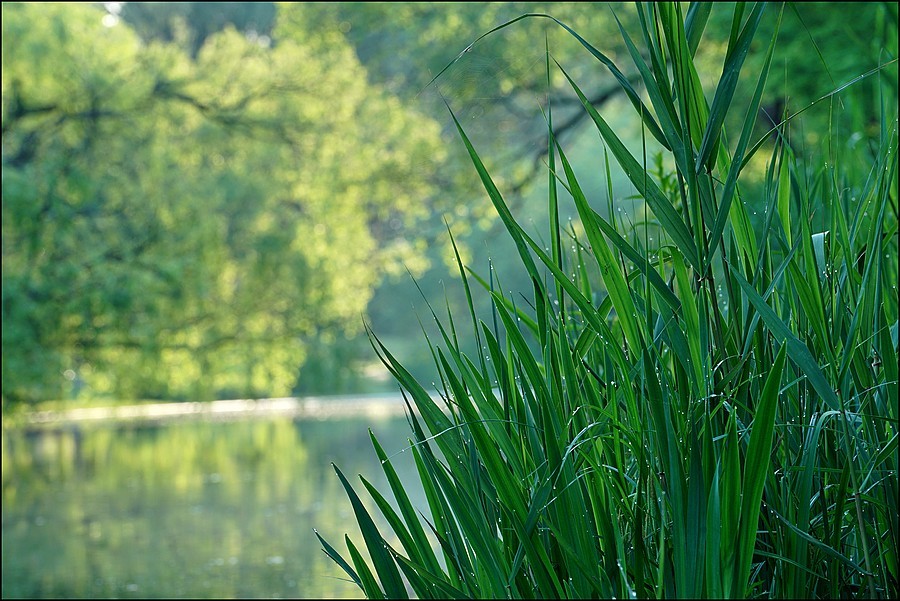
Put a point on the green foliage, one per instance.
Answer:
(170, 224)
(702, 405)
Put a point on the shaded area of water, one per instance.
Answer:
(194, 509)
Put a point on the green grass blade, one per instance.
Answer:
(520, 314)
(385, 567)
(629, 90)
(828, 550)
(669, 218)
(610, 270)
(728, 81)
(800, 354)
(737, 215)
(431, 582)
(695, 23)
(369, 584)
(498, 202)
(421, 550)
(336, 557)
(632, 254)
(658, 91)
(714, 567)
(756, 470)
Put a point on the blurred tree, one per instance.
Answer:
(500, 81)
(403, 45)
(821, 46)
(179, 228)
(497, 86)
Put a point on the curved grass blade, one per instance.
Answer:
(800, 354)
(421, 551)
(695, 23)
(726, 87)
(369, 584)
(385, 567)
(336, 557)
(828, 550)
(738, 162)
(835, 91)
(633, 255)
(668, 217)
(429, 581)
(615, 282)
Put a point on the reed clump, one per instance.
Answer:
(707, 413)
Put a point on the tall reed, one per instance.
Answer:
(712, 414)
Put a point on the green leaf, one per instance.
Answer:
(421, 551)
(336, 557)
(610, 270)
(369, 584)
(377, 546)
(695, 23)
(756, 470)
(734, 167)
(668, 217)
(721, 103)
(429, 581)
(800, 354)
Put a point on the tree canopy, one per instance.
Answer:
(180, 227)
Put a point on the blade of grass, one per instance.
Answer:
(728, 81)
(661, 206)
(756, 470)
(800, 354)
(377, 546)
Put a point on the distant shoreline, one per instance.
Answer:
(372, 406)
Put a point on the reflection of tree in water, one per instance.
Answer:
(192, 509)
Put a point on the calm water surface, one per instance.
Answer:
(192, 509)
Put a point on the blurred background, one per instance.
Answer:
(207, 201)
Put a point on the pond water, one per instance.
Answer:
(194, 509)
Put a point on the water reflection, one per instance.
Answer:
(186, 510)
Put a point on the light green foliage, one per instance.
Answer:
(702, 404)
(177, 227)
